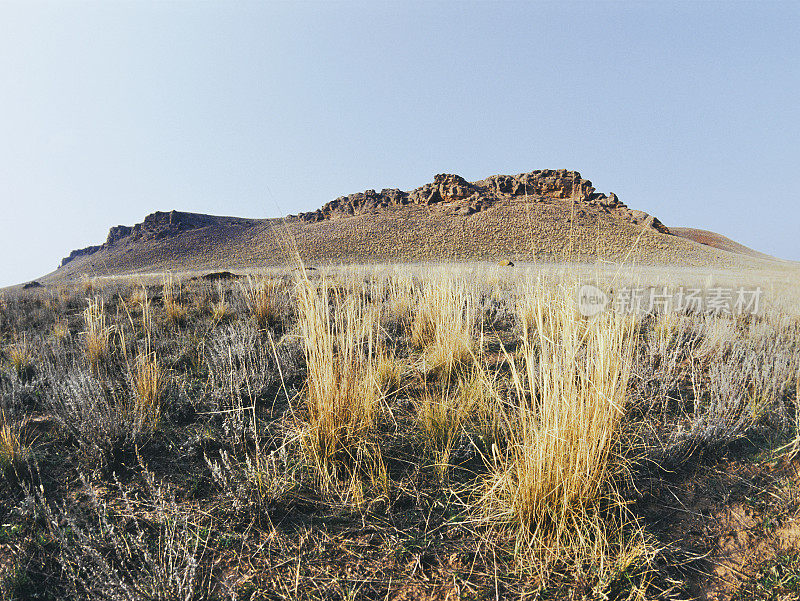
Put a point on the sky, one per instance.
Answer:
(112, 110)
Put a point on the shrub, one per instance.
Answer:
(245, 371)
(108, 553)
(106, 423)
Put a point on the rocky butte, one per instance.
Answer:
(155, 226)
(457, 196)
(447, 195)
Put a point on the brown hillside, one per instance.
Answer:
(543, 215)
(717, 241)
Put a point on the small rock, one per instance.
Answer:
(219, 275)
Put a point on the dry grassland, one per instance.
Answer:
(419, 431)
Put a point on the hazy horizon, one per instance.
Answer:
(110, 111)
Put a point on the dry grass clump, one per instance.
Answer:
(21, 358)
(443, 417)
(12, 449)
(399, 301)
(220, 311)
(667, 329)
(88, 285)
(173, 307)
(262, 298)
(148, 383)
(443, 327)
(389, 372)
(97, 336)
(138, 295)
(342, 394)
(60, 330)
(551, 487)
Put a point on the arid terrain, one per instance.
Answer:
(542, 216)
(516, 388)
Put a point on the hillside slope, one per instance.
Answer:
(719, 241)
(543, 215)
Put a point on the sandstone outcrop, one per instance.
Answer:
(452, 194)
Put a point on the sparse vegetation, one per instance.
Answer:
(173, 307)
(373, 436)
(97, 335)
(11, 448)
(262, 297)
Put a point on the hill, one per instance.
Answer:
(719, 241)
(550, 215)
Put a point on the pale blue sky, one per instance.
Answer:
(112, 110)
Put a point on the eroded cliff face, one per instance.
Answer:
(453, 194)
(158, 225)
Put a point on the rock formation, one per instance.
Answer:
(454, 195)
(155, 226)
(451, 194)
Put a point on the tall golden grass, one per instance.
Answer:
(261, 295)
(443, 326)
(12, 449)
(342, 394)
(60, 330)
(97, 336)
(173, 307)
(21, 357)
(148, 382)
(550, 486)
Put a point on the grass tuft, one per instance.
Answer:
(442, 327)
(21, 359)
(551, 484)
(173, 307)
(342, 394)
(148, 383)
(12, 449)
(261, 295)
(97, 336)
